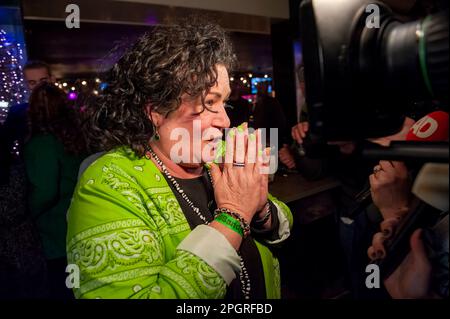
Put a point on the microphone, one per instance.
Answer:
(432, 127)
(425, 141)
(431, 190)
(431, 184)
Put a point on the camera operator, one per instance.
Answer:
(391, 194)
(361, 81)
(358, 218)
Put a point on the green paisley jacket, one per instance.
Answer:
(129, 238)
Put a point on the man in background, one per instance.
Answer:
(15, 125)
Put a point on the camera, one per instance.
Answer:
(364, 67)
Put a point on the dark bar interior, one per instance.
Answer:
(235, 150)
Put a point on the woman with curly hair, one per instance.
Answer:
(147, 223)
(52, 155)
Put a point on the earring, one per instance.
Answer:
(155, 133)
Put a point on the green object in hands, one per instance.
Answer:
(221, 147)
(220, 153)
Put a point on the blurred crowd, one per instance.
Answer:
(42, 146)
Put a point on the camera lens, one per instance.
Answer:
(362, 78)
(415, 57)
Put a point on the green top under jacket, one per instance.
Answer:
(52, 174)
(130, 239)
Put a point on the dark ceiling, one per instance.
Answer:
(86, 51)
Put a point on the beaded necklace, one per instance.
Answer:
(243, 276)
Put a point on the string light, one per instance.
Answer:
(266, 76)
(12, 87)
(103, 86)
(232, 79)
(250, 75)
(3, 111)
(74, 91)
(72, 96)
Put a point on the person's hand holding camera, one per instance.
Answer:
(299, 131)
(390, 188)
(412, 278)
(286, 157)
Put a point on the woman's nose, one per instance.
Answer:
(221, 119)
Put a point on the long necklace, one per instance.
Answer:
(243, 275)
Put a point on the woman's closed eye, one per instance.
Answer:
(209, 105)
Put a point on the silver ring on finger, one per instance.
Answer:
(376, 169)
(237, 164)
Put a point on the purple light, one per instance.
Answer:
(72, 96)
(151, 20)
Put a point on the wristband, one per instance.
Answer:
(244, 225)
(230, 222)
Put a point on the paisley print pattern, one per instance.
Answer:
(124, 226)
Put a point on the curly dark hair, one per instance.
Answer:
(159, 68)
(50, 113)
